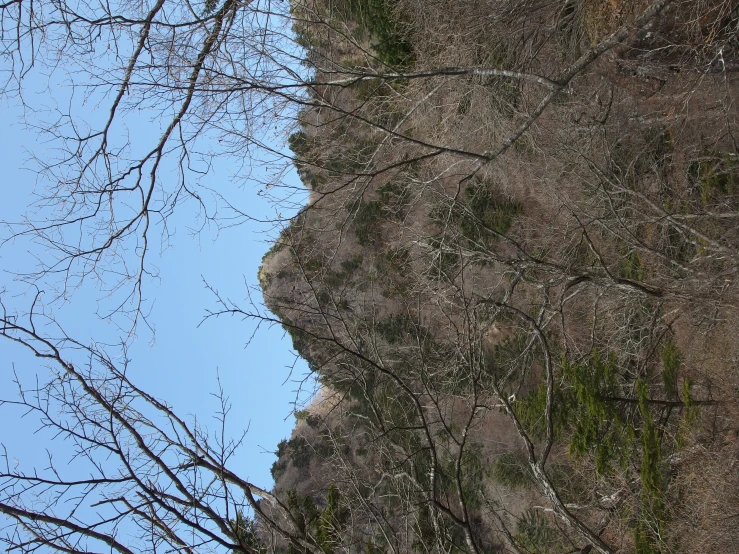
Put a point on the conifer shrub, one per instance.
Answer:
(296, 451)
(318, 525)
(367, 219)
(632, 266)
(394, 199)
(671, 360)
(349, 268)
(393, 266)
(489, 207)
(379, 19)
(396, 328)
(650, 524)
(280, 465)
(512, 470)
(245, 529)
(714, 176)
(534, 532)
(444, 259)
(598, 423)
(472, 475)
(300, 145)
(483, 215)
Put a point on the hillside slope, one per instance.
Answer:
(515, 277)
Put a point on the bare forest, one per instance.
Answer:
(514, 277)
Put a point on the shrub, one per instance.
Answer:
(486, 214)
(715, 175)
(512, 470)
(296, 450)
(393, 268)
(632, 267)
(280, 465)
(671, 366)
(396, 328)
(650, 526)
(367, 218)
(584, 412)
(245, 529)
(351, 265)
(534, 533)
(598, 425)
(493, 210)
(300, 145)
(394, 198)
(313, 264)
(444, 259)
(379, 20)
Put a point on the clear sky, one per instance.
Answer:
(182, 364)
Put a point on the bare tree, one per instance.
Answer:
(148, 478)
(224, 71)
(434, 300)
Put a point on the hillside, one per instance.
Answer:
(515, 278)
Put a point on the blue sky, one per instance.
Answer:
(181, 362)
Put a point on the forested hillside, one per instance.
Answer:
(515, 279)
(513, 275)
